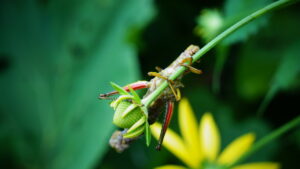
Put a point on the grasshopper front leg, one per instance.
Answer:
(176, 92)
(187, 62)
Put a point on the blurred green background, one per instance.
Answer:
(57, 56)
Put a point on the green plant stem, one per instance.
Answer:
(267, 139)
(148, 100)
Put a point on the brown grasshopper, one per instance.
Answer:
(129, 113)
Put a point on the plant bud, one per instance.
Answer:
(129, 119)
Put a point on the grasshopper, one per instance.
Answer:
(129, 111)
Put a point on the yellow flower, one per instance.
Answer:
(199, 146)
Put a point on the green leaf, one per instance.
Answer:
(119, 89)
(135, 133)
(222, 55)
(285, 76)
(235, 10)
(289, 68)
(259, 60)
(148, 134)
(129, 109)
(60, 55)
(135, 96)
(114, 104)
(137, 124)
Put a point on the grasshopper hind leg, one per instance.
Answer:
(167, 119)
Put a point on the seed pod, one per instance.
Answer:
(130, 119)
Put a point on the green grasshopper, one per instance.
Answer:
(133, 117)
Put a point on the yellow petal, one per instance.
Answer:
(209, 136)
(170, 167)
(174, 144)
(236, 149)
(260, 165)
(189, 129)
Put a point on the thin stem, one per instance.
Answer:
(222, 54)
(267, 139)
(266, 101)
(148, 100)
